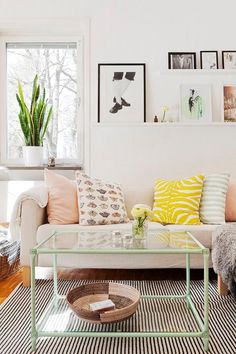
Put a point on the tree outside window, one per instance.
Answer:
(57, 67)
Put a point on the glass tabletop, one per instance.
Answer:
(119, 242)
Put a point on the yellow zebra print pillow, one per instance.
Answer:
(177, 202)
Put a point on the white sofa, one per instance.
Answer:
(34, 228)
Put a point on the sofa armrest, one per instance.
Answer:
(32, 216)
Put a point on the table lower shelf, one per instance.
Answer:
(164, 317)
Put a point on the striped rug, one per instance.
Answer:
(165, 315)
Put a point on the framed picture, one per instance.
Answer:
(121, 93)
(195, 103)
(229, 103)
(229, 59)
(209, 59)
(181, 60)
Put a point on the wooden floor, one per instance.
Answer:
(9, 284)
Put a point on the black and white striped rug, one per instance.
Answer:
(15, 322)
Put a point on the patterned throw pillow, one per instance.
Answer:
(177, 202)
(100, 203)
(212, 207)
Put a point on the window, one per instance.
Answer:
(57, 65)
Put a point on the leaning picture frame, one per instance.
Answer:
(121, 93)
(195, 103)
(209, 59)
(229, 102)
(229, 59)
(182, 60)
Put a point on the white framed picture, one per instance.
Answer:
(229, 59)
(229, 103)
(121, 93)
(195, 103)
(209, 59)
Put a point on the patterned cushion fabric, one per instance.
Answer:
(177, 202)
(212, 207)
(100, 203)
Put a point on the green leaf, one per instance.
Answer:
(46, 124)
(21, 94)
(34, 91)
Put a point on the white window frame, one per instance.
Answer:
(13, 34)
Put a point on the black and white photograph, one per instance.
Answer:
(181, 60)
(209, 59)
(229, 59)
(121, 93)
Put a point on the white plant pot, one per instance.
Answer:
(33, 155)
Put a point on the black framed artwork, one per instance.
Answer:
(121, 93)
(209, 59)
(229, 59)
(182, 60)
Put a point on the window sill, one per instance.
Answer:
(38, 168)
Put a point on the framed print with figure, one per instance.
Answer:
(181, 60)
(195, 103)
(229, 59)
(121, 93)
(209, 59)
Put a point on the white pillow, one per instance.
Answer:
(212, 205)
(100, 203)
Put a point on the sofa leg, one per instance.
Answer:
(26, 276)
(222, 287)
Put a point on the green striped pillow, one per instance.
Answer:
(212, 205)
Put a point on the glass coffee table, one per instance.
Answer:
(109, 242)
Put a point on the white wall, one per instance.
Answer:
(144, 31)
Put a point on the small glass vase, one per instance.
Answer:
(140, 228)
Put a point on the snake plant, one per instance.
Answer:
(34, 120)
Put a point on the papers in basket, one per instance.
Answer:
(101, 306)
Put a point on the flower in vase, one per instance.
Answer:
(141, 211)
(164, 110)
(141, 214)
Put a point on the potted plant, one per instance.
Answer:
(34, 123)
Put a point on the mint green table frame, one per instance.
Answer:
(202, 323)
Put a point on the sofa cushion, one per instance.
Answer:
(230, 205)
(62, 205)
(100, 203)
(177, 201)
(212, 206)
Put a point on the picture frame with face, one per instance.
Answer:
(182, 60)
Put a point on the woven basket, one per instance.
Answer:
(9, 256)
(125, 298)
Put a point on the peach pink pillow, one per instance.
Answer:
(62, 205)
(230, 207)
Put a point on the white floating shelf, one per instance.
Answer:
(186, 124)
(165, 125)
(198, 72)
